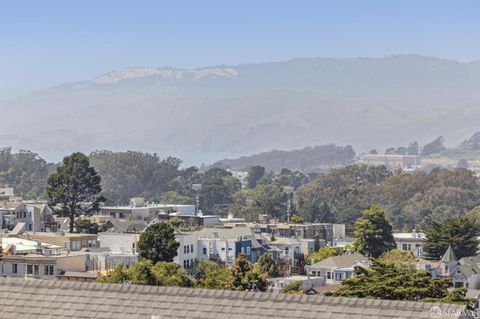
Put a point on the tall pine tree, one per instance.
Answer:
(461, 232)
(74, 188)
(373, 233)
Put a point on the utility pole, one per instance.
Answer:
(288, 190)
(197, 188)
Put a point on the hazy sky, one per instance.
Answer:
(45, 43)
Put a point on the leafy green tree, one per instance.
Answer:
(323, 253)
(141, 273)
(268, 200)
(145, 273)
(171, 274)
(26, 171)
(267, 179)
(397, 257)
(130, 174)
(266, 264)
(157, 243)
(397, 282)
(179, 224)
(255, 173)
(256, 280)
(373, 233)
(293, 287)
(288, 178)
(238, 273)
(74, 188)
(409, 198)
(343, 193)
(218, 187)
(172, 197)
(264, 199)
(85, 225)
(297, 219)
(461, 232)
(324, 214)
(243, 276)
(210, 274)
(120, 274)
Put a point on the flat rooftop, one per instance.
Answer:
(66, 234)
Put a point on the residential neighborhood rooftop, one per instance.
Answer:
(343, 261)
(67, 299)
(225, 233)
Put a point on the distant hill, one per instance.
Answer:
(250, 108)
(468, 150)
(308, 159)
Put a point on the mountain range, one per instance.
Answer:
(249, 108)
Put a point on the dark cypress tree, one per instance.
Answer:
(74, 188)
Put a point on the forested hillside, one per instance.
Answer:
(309, 159)
(409, 199)
(25, 171)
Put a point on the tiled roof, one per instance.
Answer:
(22, 298)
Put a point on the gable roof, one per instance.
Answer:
(466, 270)
(470, 260)
(468, 266)
(343, 261)
(128, 226)
(12, 205)
(69, 299)
(449, 255)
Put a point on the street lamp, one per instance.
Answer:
(288, 190)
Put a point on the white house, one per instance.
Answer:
(188, 250)
(35, 217)
(410, 242)
(337, 268)
(289, 248)
(465, 272)
(225, 243)
(125, 243)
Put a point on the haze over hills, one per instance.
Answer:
(250, 108)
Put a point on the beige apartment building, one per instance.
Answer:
(68, 241)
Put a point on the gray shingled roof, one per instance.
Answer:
(127, 226)
(21, 298)
(342, 261)
(449, 255)
(226, 233)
